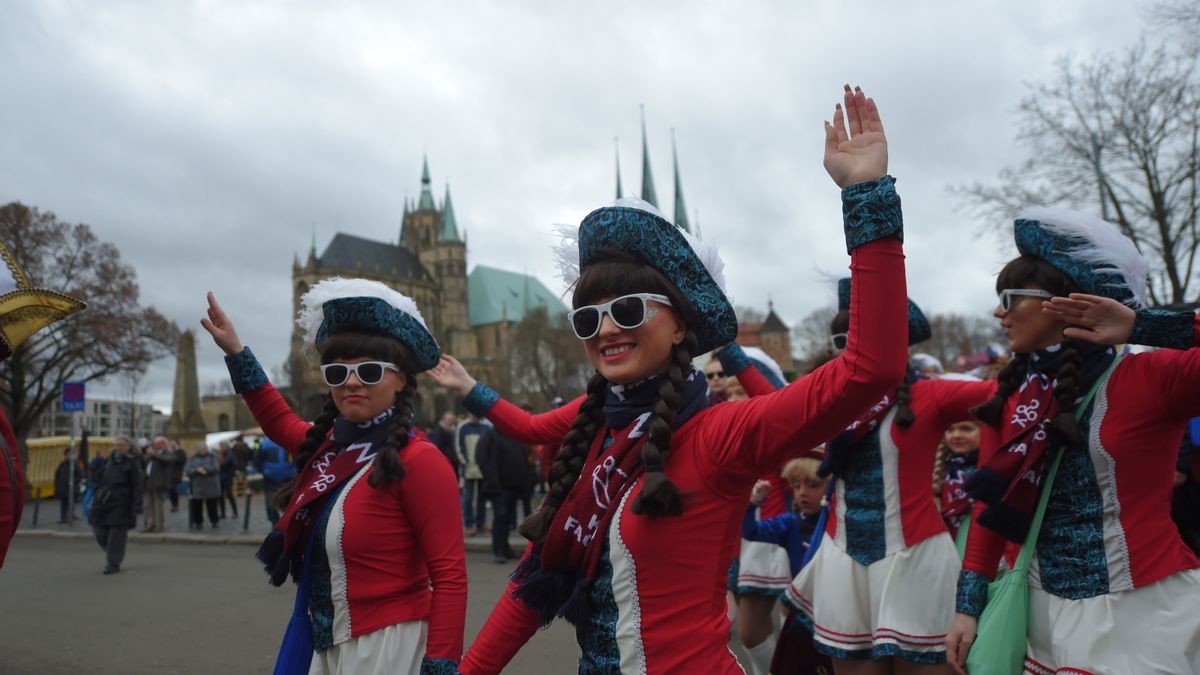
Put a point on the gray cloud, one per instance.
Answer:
(210, 140)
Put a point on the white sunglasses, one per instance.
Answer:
(627, 312)
(1006, 296)
(367, 372)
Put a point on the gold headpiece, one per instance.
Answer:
(24, 310)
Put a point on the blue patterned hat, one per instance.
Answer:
(1089, 250)
(691, 265)
(918, 326)
(336, 305)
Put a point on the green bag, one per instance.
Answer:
(1002, 634)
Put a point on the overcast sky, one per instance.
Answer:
(208, 140)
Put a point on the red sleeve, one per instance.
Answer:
(275, 416)
(525, 427)
(984, 547)
(754, 437)
(1175, 375)
(508, 628)
(432, 506)
(754, 383)
(12, 488)
(955, 398)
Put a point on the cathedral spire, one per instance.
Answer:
(617, 153)
(449, 224)
(648, 193)
(681, 218)
(426, 202)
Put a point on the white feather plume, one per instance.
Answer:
(761, 357)
(1100, 244)
(566, 252)
(311, 314)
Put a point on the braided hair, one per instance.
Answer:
(904, 413)
(618, 273)
(1020, 272)
(939, 471)
(353, 345)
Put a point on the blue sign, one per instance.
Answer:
(72, 397)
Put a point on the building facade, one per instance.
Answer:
(104, 417)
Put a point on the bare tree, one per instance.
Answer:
(546, 359)
(749, 314)
(115, 335)
(1180, 18)
(957, 335)
(810, 337)
(1118, 135)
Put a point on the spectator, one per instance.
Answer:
(158, 461)
(66, 484)
(204, 476)
(474, 504)
(276, 470)
(715, 374)
(229, 467)
(242, 452)
(1185, 501)
(506, 477)
(442, 436)
(531, 465)
(117, 502)
(176, 474)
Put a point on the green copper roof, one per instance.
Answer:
(648, 192)
(496, 295)
(426, 202)
(449, 224)
(681, 219)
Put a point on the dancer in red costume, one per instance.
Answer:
(1115, 588)
(649, 489)
(371, 525)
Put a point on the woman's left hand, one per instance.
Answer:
(1092, 318)
(859, 154)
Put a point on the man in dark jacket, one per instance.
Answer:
(68, 476)
(181, 460)
(159, 461)
(443, 436)
(506, 477)
(117, 503)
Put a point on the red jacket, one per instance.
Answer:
(12, 486)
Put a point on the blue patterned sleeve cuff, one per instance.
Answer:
(871, 211)
(1163, 328)
(733, 359)
(972, 593)
(245, 371)
(480, 400)
(439, 666)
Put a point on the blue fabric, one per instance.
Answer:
(871, 211)
(375, 315)
(918, 325)
(1163, 328)
(480, 400)
(597, 633)
(438, 666)
(660, 244)
(971, 596)
(862, 495)
(245, 371)
(625, 403)
(792, 531)
(733, 359)
(1033, 239)
(320, 602)
(296, 651)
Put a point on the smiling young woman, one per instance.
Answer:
(370, 525)
(1116, 587)
(647, 492)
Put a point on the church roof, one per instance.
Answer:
(496, 295)
(347, 250)
(773, 324)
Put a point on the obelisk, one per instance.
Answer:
(186, 424)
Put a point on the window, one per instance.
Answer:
(223, 422)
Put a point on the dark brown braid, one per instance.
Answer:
(312, 442)
(660, 496)
(1066, 389)
(568, 463)
(1009, 380)
(939, 472)
(904, 413)
(387, 461)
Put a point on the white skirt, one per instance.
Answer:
(1152, 630)
(899, 606)
(763, 569)
(398, 648)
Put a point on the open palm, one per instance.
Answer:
(855, 145)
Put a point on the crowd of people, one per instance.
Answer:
(871, 516)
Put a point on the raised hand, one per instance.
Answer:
(452, 375)
(221, 328)
(759, 493)
(1093, 318)
(859, 154)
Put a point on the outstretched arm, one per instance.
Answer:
(277, 419)
(508, 627)
(755, 380)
